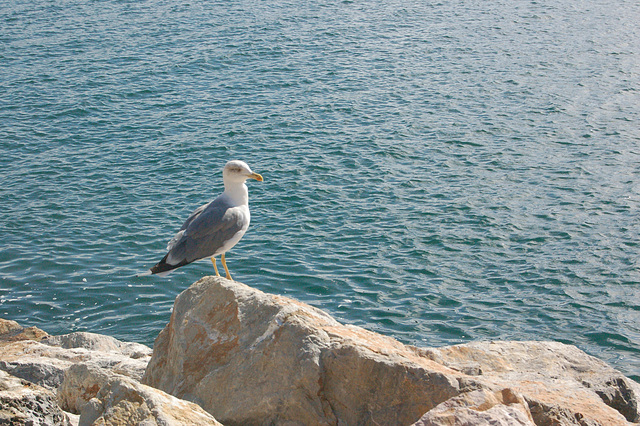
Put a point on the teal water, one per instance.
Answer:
(441, 172)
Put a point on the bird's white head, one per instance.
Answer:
(236, 171)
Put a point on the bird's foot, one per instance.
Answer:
(213, 260)
(226, 270)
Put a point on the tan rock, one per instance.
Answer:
(561, 383)
(7, 327)
(11, 331)
(105, 398)
(480, 407)
(252, 358)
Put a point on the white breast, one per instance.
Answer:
(227, 245)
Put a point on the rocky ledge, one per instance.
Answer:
(237, 356)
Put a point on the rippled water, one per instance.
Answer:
(441, 172)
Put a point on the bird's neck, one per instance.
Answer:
(237, 192)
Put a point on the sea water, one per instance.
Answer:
(438, 171)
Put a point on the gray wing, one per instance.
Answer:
(204, 232)
(176, 238)
(195, 214)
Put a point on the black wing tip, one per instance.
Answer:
(163, 266)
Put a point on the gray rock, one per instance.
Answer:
(23, 403)
(45, 362)
(98, 342)
(96, 378)
(44, 372)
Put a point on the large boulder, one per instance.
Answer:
(252, 358)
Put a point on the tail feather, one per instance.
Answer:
(163, 268)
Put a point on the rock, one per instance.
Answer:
(96, 378)
(105, 398)
(45, 362)
(619, 393)
(560, 382)
(23, 403)
(8, 327)
(251, 358)
(480, 407)
(98, 342)
(80, 385)
(11, 331)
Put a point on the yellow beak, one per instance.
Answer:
(256, 176)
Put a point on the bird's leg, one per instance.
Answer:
(213, 260)
(224, 263)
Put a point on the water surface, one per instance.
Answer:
(442, 172)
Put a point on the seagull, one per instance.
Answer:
(214, 228)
